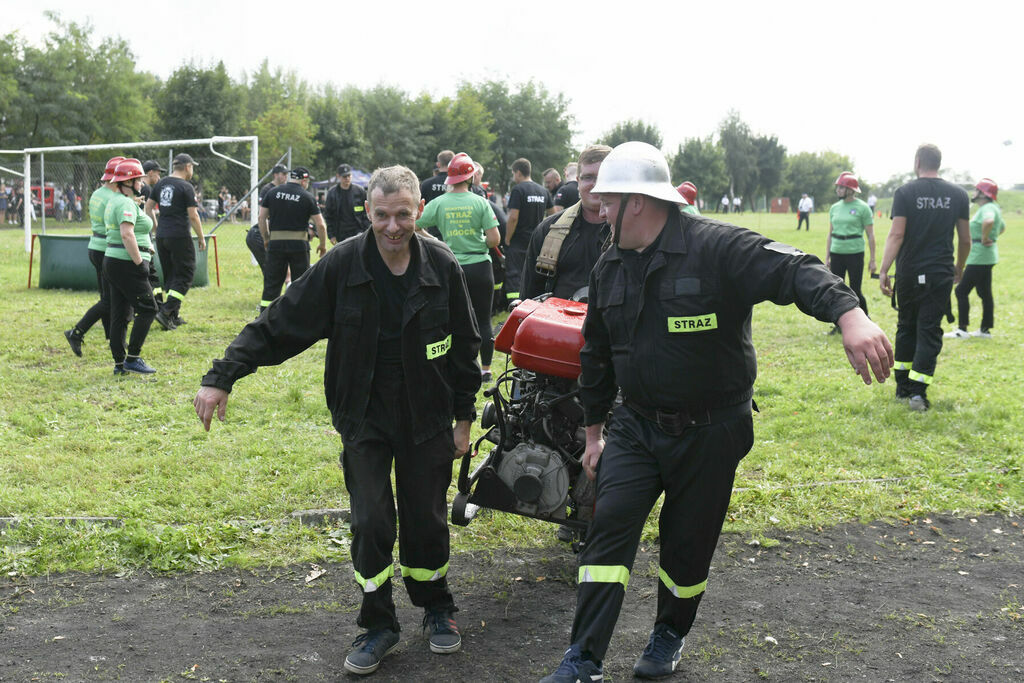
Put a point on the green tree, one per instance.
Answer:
(268, 87)
(702, 162)
(197, 102)
(463, 124)
(633, 129)
(398, 130)
(740, 154)
(284, 125)
(341, 132)
(814, 173)
(771, 163)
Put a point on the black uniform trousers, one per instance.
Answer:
(640, 461)
(178, 261)
(922, 301)
(480, 283)
(101, 309)
(275, 270)
(842, 265)
(515, 257)
(423, 472)
(980, 278)
(129, 289)
(254, 240)
(803, 217)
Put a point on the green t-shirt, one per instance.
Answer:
(849, 219)
(980, 254)
(462, 218)
(690, 208)
(122, 209)
(97, 210)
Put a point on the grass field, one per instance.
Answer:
(76, 441)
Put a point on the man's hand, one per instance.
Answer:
(321, 249)
(591, 456)
(206, 401)
(201, 242)
(461, 435)
(885, 284)
(867, 347)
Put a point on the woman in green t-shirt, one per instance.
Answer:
(465, 221)
(986, 226)
(126, 267)
(849, 220)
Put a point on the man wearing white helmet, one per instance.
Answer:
(668, 323)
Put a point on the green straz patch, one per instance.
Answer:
(693, 323)
(438, 349)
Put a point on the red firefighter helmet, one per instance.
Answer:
(108, 171)
(460, 169)
(129, 169)
(988, 187)
(847, 179)
(689, 192)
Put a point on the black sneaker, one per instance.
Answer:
(662, 654)
(179, 321)
(74, 340)
(139, 366)
(485, 377)
(575, 669)
(118, 370)
(564, 533)
(918, 403)
(902, 394)
(371, 647)
(164, 321)
(440, 629)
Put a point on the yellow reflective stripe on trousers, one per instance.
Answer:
(596, 573)
(177, 295)
(374, 582)
(919, 377)
(512, 295)
(264, 303)
(902, 365)
(417, 574)
(681, 591)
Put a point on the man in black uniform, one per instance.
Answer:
(285, 214)
(401, 365)
(178, 209)
(552, 182)
(253, 238)
(528, 203)
(561, 263)
(434, 186)
(344, 209)
(669, 322)
(153, 170)
(569, 193)
(925, 213)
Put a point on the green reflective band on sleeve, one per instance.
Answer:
(902, 365)
(417, 574)
(919, 377)
(157, 291)
(596, 573)
(498, 285)
(374, 582)
(438, 349)
(512, 295)
(177, 295)
(693, 323)
(357, 209)
(681, 591)
(264, 303)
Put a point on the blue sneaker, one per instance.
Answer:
(575, 669)
(441, 631)
(371, 648)
(662, 654)
(138, 365)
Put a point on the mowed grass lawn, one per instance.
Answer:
(76, 441)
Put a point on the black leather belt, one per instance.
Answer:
(845, 237)
(675, 421)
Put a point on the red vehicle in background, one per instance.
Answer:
(44, 197)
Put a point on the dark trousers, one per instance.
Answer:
(803, 217)
(423, 472)
(254, 240)
(480, 282)
(640, 461)
(129, 289)
(842, 265)
(178, 260)
(101, 309)
(275, 270)
(980, 278)
(919, 330)
(515, 256)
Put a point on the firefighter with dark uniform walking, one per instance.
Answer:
(401, 365)
(285, 214)
(669, 322)
(344, 209)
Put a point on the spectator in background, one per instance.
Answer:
(872, 202)
(552, 181)
(803, 212)
(3, 200)
(345, 207)
(59, 204)
(723, 206)
(737, 204)
(478, 181)
(569, 193)
(434, 186)
(222, 200)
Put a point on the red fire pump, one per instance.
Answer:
(534, 422)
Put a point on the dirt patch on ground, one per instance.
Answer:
(934, 599)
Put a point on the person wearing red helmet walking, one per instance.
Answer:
(126, 267)
(689, 192)
(465, 221)
(849, 220)
(97, 246)
(986, 226)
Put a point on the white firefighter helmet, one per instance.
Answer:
(637, 168)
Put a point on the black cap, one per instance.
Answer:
(182, 159)
(344, 169)
(298, 173)
(280, 168)
(151, 165)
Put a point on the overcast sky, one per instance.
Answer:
(867, 79)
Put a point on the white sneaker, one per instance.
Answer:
(982, 334)
(958, 334)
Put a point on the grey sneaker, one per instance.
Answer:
(371, 647)
(919, 403)
(440, 629)
(957, 334)
(575, 669)
(981, 334)
(662, 654)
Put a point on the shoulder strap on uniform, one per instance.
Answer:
(547, 261)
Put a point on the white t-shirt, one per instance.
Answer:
(806, 205)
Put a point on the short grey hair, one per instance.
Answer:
(391, 179)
